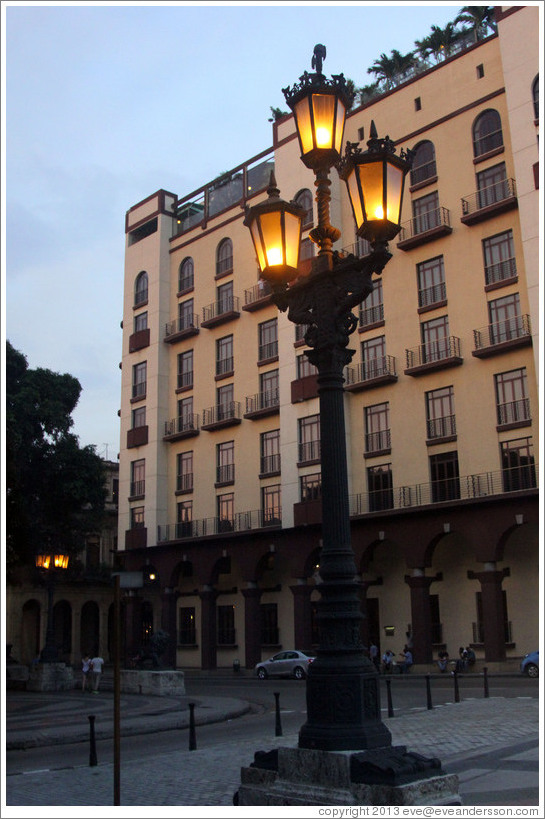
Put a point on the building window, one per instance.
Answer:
(518, 466)
(224, 258)
(137, 517)
(445, 477)
(269, 624)
(435, 339)
(431, 282)
(487, 133)
(424, 165)
(138, 417)
(225, 462)
(185, 413)
(226, 512)
(185, 370)
(141, 289)
(499, 258)
(184, 472)
(377, 428)
(270, 452)
(440, 417)
(513, 405)
(225, 401)
(270, 505)
(304, 367)
(372, 309)
(186, 275)
(417, 104)
(226, 625)
(304, 200)
(226, 300)
(140, 322)
(187, 630)
(480, 71)
(184, 518)
(309, 439)
(373, 358)
(311, 487)
(380, 487)
(224, 356)
(426, 213)
(268, 390)
(535, 97)
(138, 478)
(505, 319)
(268, 339)
(307, 250)
(492, 186)
(186, 318)
(139, 380)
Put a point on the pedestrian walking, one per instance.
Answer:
(373, 654)
(96, 671)
(85, 669)
(407, 655)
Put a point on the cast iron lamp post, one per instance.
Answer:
(50, 563)
(343, 698)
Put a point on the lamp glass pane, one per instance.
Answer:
(323, 106)
(61, 561)
(304, 125)
(353, 192)
(371, 185)
(271, 228)
(394, 177)
(293, 239)
(256, 237)
(339, 126)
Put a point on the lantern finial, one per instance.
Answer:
(318, 57)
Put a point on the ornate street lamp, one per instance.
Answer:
(343, 698)
(50, 562)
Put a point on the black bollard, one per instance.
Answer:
(456, 688)
(428, 692)
(485, 677)
(192, 736)
(389, 696)
(278, 728)
(93, 745)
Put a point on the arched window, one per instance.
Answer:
(141, 289)
(185, 275)
(224, 258)
(424, 165)
(535, 96)
(304, 199)
(487, 133)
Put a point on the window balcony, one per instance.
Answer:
(225, 475)
(222, 415)
(425, 228)
(180, 328)
(225, 367)
(139, 340)
(210, 527)
(504, 335)
(435, 355)
(262, 404)
(369, 374)
(430, 298)
(378, 443)
(184, 426)
(489, 202)
(137, 436)
(258, 296)
(370, 317)
(137, 490)
(500, 274)
(441, 430)
(184, 381)
(514, 414)
(184, 483)
(268, 352)
(221, 311)
(308, 453)
(269, 466)
(423, 175)
(139, 391)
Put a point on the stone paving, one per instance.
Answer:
(492, 744)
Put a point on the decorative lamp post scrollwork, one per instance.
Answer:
(343, 698)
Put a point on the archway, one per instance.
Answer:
(30, 632)
(89, 628)
(62, 626)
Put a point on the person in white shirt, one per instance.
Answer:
(96, 671)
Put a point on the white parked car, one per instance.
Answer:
(285, 664)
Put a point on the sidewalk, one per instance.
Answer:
(492, 744)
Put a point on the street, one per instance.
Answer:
(408, 696)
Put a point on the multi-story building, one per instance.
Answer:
(220, 490)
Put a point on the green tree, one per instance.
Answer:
(390, 70)
(439, 43)
(479, 19)
(54, 488)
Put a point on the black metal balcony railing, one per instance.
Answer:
(138, 488)
(240, 522)
(184, 483)
(225, 473)
(259, 291)
(441, 427)
(371, 315)
(438, 217)
(139, 390)
(500, 271)
(263, 401)
(377, 441)
(188, 422)
(502, 331)
(370, 369)
(269, 350)
(269, 464)
(488, 143)
(225, 365)
(491, 195)
(185, 380)
(309, 451)
(428, 170)
(228, 304)
(432, 295)
(221, 412)
(514, 412)
(182, 324)
(486, 484)
(432, 351)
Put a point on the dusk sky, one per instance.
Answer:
(106, 103)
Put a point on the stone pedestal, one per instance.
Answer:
(158, 683)
(50, 677)
(385, 776)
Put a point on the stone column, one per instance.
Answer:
(169, 624)
(302, 614)
(493, 610)
(208, 628)
(419, 585)
(252, 625)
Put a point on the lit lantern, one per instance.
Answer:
(375, 180)
(46, 560)
(275, 227)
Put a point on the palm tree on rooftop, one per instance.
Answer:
(390, 70)
(439, 43)
(479, 19)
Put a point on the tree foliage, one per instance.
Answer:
(54, 488)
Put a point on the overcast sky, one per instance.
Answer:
(105, 104)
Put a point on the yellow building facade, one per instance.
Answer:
(219, 493)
